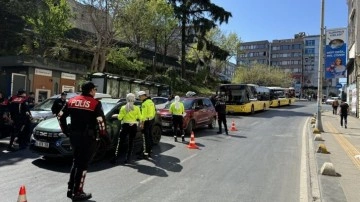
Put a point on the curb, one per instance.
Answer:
(313, 175)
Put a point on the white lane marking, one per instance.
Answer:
(303, 168)
(154, 176)
(256, 122)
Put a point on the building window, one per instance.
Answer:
(296, 46)
(310, 43)
(309, 50)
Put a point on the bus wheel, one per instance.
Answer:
(289, 102)
(264, 107)
(279, 104)
(252, 109)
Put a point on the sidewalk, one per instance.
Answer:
(343, 145)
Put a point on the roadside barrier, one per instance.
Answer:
(192, 144)
(22, 194)
(233, 128)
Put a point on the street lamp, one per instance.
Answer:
(320, 69)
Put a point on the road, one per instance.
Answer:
(259, 162)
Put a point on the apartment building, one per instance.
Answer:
(310, 61)
(353, 56)
(254, 52)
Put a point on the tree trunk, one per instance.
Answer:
(154, 58)
(102, 60)
(183, 41)
(95, 61)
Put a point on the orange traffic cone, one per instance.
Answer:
(22, 194)
(192, 144)
(233, 128)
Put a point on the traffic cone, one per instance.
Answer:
(22, 194)
(192, 144)
(233, 128)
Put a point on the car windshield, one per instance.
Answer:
(187, 103)
(44, 106)
(107, 106)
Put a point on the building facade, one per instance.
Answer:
(310, 61)
(254, 52)
(353, 63)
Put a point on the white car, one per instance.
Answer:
(160, 102)
(330, 100)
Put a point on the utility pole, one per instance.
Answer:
(320, 70)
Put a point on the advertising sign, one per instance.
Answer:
(335, 53)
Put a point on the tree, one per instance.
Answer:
(215, 61)
(197, 17)
(49, 23)
(126, 59)
(263, 75)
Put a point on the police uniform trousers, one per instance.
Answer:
(127, 136)
(83, 144)
(148, 141)
(222, 120)
(178, 123)
(20, 130)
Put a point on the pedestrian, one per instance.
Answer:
(87, 118)
(178, 112)
(129, 116)
(213, 99)
(58, 104)
(220, 108)
(147, 115)
(21, 116)
(31, 100)
(335, 105)
(344, 110)
(5, 122)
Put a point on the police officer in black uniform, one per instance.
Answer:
(220, 107)
(31, 100)
(59, 104)
(21, 116)
(5, 127)
(87, 120)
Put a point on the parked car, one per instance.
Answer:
(48, 140)
(160, 102)
(42, 110)
(330, 100)
(199, 112)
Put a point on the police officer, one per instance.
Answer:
(31, 100)
(147, 115)
(87, 117)
(59, 104)
(177, 110)
(21, 116)
(220, 108)
(129, 115)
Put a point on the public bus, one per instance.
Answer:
(281, 96)
(244, 98)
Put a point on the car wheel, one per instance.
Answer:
(212, 123)
(101, 149)
(156, 134)
(252, 109)
(189, 128)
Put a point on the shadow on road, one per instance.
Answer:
(10, 158)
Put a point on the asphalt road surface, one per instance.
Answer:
(259, 162)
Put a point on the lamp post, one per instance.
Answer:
(320, 69)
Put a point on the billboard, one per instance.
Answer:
(335, 53)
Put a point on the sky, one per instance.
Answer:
(256, 20)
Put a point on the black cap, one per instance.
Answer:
(63, 93)
(87, 86)
(21, 91)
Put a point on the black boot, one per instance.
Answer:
(183, 138)
(219, 132)
(81, 196)
(175, 138)
(69, 193)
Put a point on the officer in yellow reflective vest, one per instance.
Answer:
(147, 116)
(178, 112)
(129, 116)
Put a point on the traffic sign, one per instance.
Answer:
(338, 85)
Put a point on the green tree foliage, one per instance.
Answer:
(49, 23)
(201, 16)
(208, 59)
(263, 75)
(125, 59)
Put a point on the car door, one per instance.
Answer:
(113, 125)
(209, 110)
(200, 111)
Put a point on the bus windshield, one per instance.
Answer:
(234, 94)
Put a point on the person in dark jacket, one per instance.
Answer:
(21, 116)
(87, 119)
(344, 111)
(220, 107)
(59, 104)
(31, 100)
